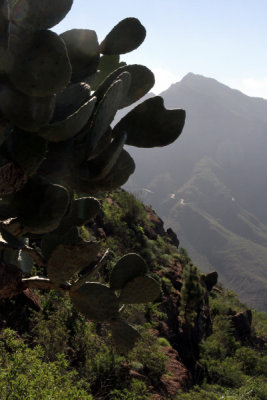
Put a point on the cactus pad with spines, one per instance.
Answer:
(38, 14)
(127, 268)
(82, 210)
(41, 206)
(69, 127)
(96, 301)
(53, 239)
(123, 335)
(35, 72)
(141, 289)
(126, 36)
(107, 108)
(107, 64)
(69, 259)
(26, 112)
(83, 50)
(142, 80)
(151, 125)
(99, 167)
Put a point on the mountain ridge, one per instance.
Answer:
(219, 165)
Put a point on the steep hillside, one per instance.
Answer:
(196, 332)
(211, 185)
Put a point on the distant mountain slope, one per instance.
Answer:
(211, 184)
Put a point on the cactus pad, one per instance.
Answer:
(126, 36)
(41, 206)
(26, 112)
(53, 239)
(69, 127)
(38, 14)
(43, 68)
(150, 124)
(66, 260)
(123, 335)
(118, 175)
(100, 166)
(107, 108)
(96, 301)
(107, 64)
(83, 51)
(81, 212)
(127, 268)
(142, 80)
(140, 290)
(70, 100)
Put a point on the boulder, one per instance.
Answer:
(211, 279)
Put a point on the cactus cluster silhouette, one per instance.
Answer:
(58, 97)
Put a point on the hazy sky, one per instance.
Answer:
(222, 39)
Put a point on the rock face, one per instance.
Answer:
(184, 338)
(173, 237)
(211, 279)
(242, 324)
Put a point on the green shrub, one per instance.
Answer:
(96, 360)
(163, 342)
(137, 391)
(49, 329)
(166, 285)
(259, 323)
(184, 257)
(252, 362)
(221, 343)
(133, 211)
(226, 373)
(199, 393)
(25, 375)
(221, 302)
(148, 353)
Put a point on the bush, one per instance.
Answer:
(221, 343)
(96, 361)
(199, 393)
(259, 323)
(49, 329)
(133, 210)
(163, 342)
(25, 375)
(148, 353)
(137, 391)
(225, 373)
(252, 363)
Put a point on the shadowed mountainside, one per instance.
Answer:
(210, 186)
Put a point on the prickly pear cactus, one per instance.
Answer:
(58, 97)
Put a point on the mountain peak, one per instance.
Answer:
(200, 82)
(191, 76)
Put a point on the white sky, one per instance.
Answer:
(222, 39)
